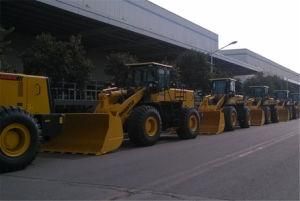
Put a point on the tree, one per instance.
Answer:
(4, 48)
(274, 82)
(218, 73)
(116, 67)
(194, 70)
(59, 60)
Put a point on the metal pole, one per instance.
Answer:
(213, 52)
(211, 64)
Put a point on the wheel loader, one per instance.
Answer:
(295, 98)
(284, 105)
(262, 107)
(223, 109)
(147, 106)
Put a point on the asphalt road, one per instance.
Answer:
(260, 163)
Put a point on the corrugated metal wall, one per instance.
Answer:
(143, 17)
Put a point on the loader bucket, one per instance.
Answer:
(96, 133)
(257, 117)
(212, 122)
(283, 114)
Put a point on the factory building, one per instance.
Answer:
(136, 26)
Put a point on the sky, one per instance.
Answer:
(270, 28)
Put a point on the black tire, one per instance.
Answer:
(290, 109)
(185, 131)
(274, 115)
(294, 113)
(244, 119)
(8, 117)
(229, 123)
(268, 114)
(136, 125)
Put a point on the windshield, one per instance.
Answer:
(281, 95)
(143, 76)
(258, 92)
(219, 87)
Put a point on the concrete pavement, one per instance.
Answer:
(260, 163)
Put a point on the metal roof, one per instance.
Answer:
(149, 63)
(35, 17)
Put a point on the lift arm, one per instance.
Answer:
(109, 104)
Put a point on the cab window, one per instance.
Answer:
(219, 87)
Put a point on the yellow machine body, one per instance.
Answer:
(212, 121)
(27, 92)
(109, 99)
(172, 94)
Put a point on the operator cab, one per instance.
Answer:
(259, 91)
(151, 74)
(221, 86)
(281, 94)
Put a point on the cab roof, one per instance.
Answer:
(281, 90)
(264, 86)
(4, 75)
(147, 64)
(222, 79)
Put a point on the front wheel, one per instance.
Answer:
(230, 118)
(274, 115)
(245, 118)
(189, 124)
(268, 114)
(144, 126)
(19, 140)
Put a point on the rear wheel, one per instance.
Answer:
(144, 126)
(268, 115)
(189, 124)
(230, 118)
(19, 139)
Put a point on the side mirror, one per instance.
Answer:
(199, 93)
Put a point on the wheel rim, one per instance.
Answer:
(14, 140)
(151, 126)
(233, 118)
(193, 123)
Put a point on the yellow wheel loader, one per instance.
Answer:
(262, 107)
(295, 98)
(27, 118)
(146, 107)
(223, 109)
(283, 106)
